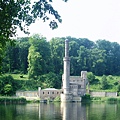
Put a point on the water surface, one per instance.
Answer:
(60, 111)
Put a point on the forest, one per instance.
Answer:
(42, 61)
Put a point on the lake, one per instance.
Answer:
(61, 111)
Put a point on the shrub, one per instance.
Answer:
(12, 100)
(96, 98)
(86, 97)
(57, 99)
(111, 99)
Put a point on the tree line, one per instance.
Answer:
(37, 56)
(42, 61)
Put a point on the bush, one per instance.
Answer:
(12, 100)
(57, 99)
(112, 99)
(86, 97)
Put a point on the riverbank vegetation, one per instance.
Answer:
(12, 100)
(35, 62)
(87, 98)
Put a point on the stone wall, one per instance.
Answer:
(27, 93)
(49, 93)
(103, 94)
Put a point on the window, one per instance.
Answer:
(52, 92)
(48, 92)
(43, 92)
(79, 86)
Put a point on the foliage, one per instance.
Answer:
(91, 77)
(8, 85)
(21, 13)
(43, 60)
(86, 97)
(112, 99)
(57, 54)
(96, 99)
(104, 82)
(12, 100)
(118, 88)
(8, 90)
(38, 57)
(50, 80)
(57, 99)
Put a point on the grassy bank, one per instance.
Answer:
(106, 99)
(12, 100)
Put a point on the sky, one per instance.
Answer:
(92, 19)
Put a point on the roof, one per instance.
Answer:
(50, 89)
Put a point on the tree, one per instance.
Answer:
(15, 13)
(8, 85)
(57, 54)
(83, 58)
(19, 13)
(39, 57)
(98, 58)
(23, 48)
(104, 83)
(8, 90)
(91, 77)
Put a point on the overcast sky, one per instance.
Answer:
(92, 19)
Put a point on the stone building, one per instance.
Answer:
(73, 86)
(49, 93)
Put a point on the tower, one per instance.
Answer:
(66, 75)
(66, 96)
(73, 86)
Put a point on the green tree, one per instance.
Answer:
(11, 59)
(8, 90)
(104, 83)
(39, 57)
(98, 58)
(19, 13)
(83, 58)
(8, 85)
(23, 48)
(57, 54)
(91, 77)
(112, 51)
(15, 13)
(51, 80)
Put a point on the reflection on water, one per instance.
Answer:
(49, 111)
(60, 111)
(73, 111)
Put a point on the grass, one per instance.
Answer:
(106, 99)
(19, 76)
(112, 80)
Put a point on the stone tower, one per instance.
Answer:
(73, 86)
(66, 76)
(66, 96)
